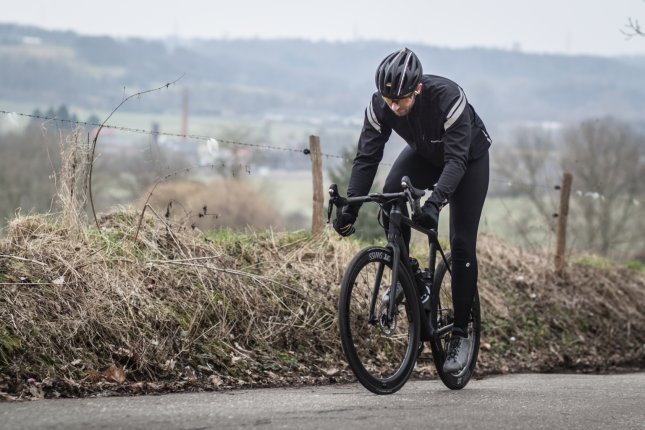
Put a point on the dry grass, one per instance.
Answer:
(83, 311)
(73, 180)
(168, 307)
(592, 319)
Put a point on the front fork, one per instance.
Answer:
(396, 244)
(391, 309)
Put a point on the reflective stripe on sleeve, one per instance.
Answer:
(371, 117)
(456, 111)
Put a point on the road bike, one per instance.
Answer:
(382, 338)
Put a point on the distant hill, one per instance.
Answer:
(305, 79)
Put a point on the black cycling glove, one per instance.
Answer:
(428, 217)
(344, 223)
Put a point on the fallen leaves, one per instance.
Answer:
(35, 389)
(332, 371)
(216, 381)
(114, 374)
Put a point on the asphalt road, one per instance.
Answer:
(530, 401)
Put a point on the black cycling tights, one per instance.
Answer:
(465, 211)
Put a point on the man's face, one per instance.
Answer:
(402, 106)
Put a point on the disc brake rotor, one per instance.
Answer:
(387, 326)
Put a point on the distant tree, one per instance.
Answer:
(50, 113)
(527, 164)
(93, 119)
(29, 160)
(530, 169)
(607, 161)
(67, 120)
(367, 226)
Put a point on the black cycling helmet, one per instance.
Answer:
(398, 74)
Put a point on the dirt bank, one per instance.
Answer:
(83, 311)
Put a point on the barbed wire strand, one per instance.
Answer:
(167, 134)
(509, 183)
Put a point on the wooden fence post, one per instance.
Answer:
(317, 220)
(563, 214)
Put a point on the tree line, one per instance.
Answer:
(297, 77)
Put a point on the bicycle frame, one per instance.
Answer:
(430, 320)
(400, 255)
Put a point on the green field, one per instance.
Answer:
(502, 216)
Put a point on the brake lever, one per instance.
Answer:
(333, 197)
(414, 203)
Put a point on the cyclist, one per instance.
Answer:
(447, 146)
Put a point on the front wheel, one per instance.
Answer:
(381, 350)
(442, 318)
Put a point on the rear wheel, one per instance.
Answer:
(442, 317)
(381, 351)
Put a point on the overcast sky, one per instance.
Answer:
(537, 26)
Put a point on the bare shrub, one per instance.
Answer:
(74, 179)
(220, 203)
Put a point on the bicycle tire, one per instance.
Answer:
(381, 361)
(442, 314)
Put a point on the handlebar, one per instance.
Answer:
(410, 194)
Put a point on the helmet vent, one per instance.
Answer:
(398, 74)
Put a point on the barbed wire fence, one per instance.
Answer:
(304, 150)
(221, 168)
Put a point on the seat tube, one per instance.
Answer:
(432, 255)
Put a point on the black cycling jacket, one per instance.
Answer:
(442, 127)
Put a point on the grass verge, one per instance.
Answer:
(83, 311)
